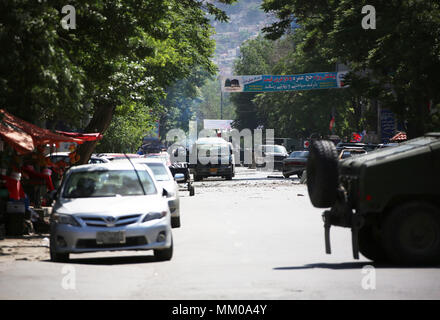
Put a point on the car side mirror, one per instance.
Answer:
(164, 193)
(179, 177)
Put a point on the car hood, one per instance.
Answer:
(116, 206)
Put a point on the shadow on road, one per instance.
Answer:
(352, 265)
(103, 261)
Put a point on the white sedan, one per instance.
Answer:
(165, 180)
(108, 207)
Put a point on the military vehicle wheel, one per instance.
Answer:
(411, 234)
(322, 173)
(370, 244)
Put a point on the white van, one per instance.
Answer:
(215, 157)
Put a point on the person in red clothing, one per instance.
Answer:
(14, 186)
(44, 175)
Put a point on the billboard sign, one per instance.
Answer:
(269, 83)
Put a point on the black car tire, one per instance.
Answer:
(228, 177)
(55, 256)
(322, 173)
(285, 175)
(164, 254)
(370, 244)
(175, 222)
(411, 234)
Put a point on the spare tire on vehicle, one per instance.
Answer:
(322, 173)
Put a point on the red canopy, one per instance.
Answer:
(24, 136)
(82, 136)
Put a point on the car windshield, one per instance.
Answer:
(275, 149)
(159, 171)
(107, 183)
(299, 154)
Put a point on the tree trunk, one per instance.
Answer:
(100, 122)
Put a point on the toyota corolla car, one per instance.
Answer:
(165, 180)
(110, 207)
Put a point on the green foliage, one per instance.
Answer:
(291, 114)
(126, 131)
(397, 63)
(208, 106)
(256, 57)
(118, 61)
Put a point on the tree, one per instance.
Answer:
(256, 57)
(122, 53)
(208, 105)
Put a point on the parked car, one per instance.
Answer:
(350, 152)
(165, 180)
(110, 207)
(270, 154)
(64, 156)
(366, 146)
(114, 156)
(295, 163)
(163, 156)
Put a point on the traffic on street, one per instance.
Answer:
(237, 151)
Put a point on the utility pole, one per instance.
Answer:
(221, 101)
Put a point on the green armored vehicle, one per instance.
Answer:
(390, 198)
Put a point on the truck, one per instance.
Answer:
(389, 198)
(215, 157)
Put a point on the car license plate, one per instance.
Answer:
(213, 170)
(107, 237)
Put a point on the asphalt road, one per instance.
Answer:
(255, 237)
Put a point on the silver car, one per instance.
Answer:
(110, 207)
(165, 180)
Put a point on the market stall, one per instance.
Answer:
(25, 175)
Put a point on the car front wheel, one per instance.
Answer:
(56, 256)
(164, 254)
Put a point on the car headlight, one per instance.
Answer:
(64, 219)
(154, 215)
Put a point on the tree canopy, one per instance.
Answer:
(396, 63)
(120, 58)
